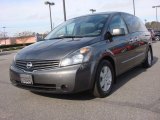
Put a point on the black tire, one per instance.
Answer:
(98, 90)
(147, 63)
(157, 38)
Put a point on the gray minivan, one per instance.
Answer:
(84, 53)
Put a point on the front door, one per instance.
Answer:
(121, 47)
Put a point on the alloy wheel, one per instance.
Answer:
(105, 78)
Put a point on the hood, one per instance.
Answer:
(54, 49)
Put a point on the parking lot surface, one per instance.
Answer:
(136, 96)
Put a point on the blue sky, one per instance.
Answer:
(32, 15)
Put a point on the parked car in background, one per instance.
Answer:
(84, 53)
(152, 34)
(157, 35)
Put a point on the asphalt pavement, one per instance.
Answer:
(136, 96)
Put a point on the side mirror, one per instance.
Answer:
(118, 32)
(115, 32)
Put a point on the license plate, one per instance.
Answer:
(26, 79)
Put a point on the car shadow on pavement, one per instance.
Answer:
(121, 80)
(129, 75)
(77, 96)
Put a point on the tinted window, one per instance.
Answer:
(117, 22)
(134, 23)
(81, 26)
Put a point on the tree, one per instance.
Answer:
(25, 34)
(154, 25)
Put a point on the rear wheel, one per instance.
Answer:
(104, 79)
(157, 38)
(149, 58)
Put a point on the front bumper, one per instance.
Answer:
(69, 79)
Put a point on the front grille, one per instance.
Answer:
(36, 65)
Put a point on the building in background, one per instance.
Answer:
(18, 40)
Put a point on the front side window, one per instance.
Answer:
(82, 26)
(117, 23)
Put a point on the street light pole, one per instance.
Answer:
(50, 13)
(156, 12)
(156, 15)
(64, 10)
(50, 16)
(134, 9)
(93, 10)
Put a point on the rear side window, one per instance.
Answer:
(117, 22)
(134, 23)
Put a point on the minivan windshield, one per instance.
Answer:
(86, 26)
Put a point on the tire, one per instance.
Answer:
(104, 79)
(157, 38)
(148, 60)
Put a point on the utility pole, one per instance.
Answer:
(64, 10)
(50, 4)
(156, 14)
(92, 10)
(156, 11)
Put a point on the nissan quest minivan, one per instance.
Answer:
(84, 53)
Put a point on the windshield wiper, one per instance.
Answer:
(61, 37)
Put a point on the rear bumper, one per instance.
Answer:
(69, 79)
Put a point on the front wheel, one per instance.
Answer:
(104, 79)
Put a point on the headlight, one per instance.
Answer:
(80, 56)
